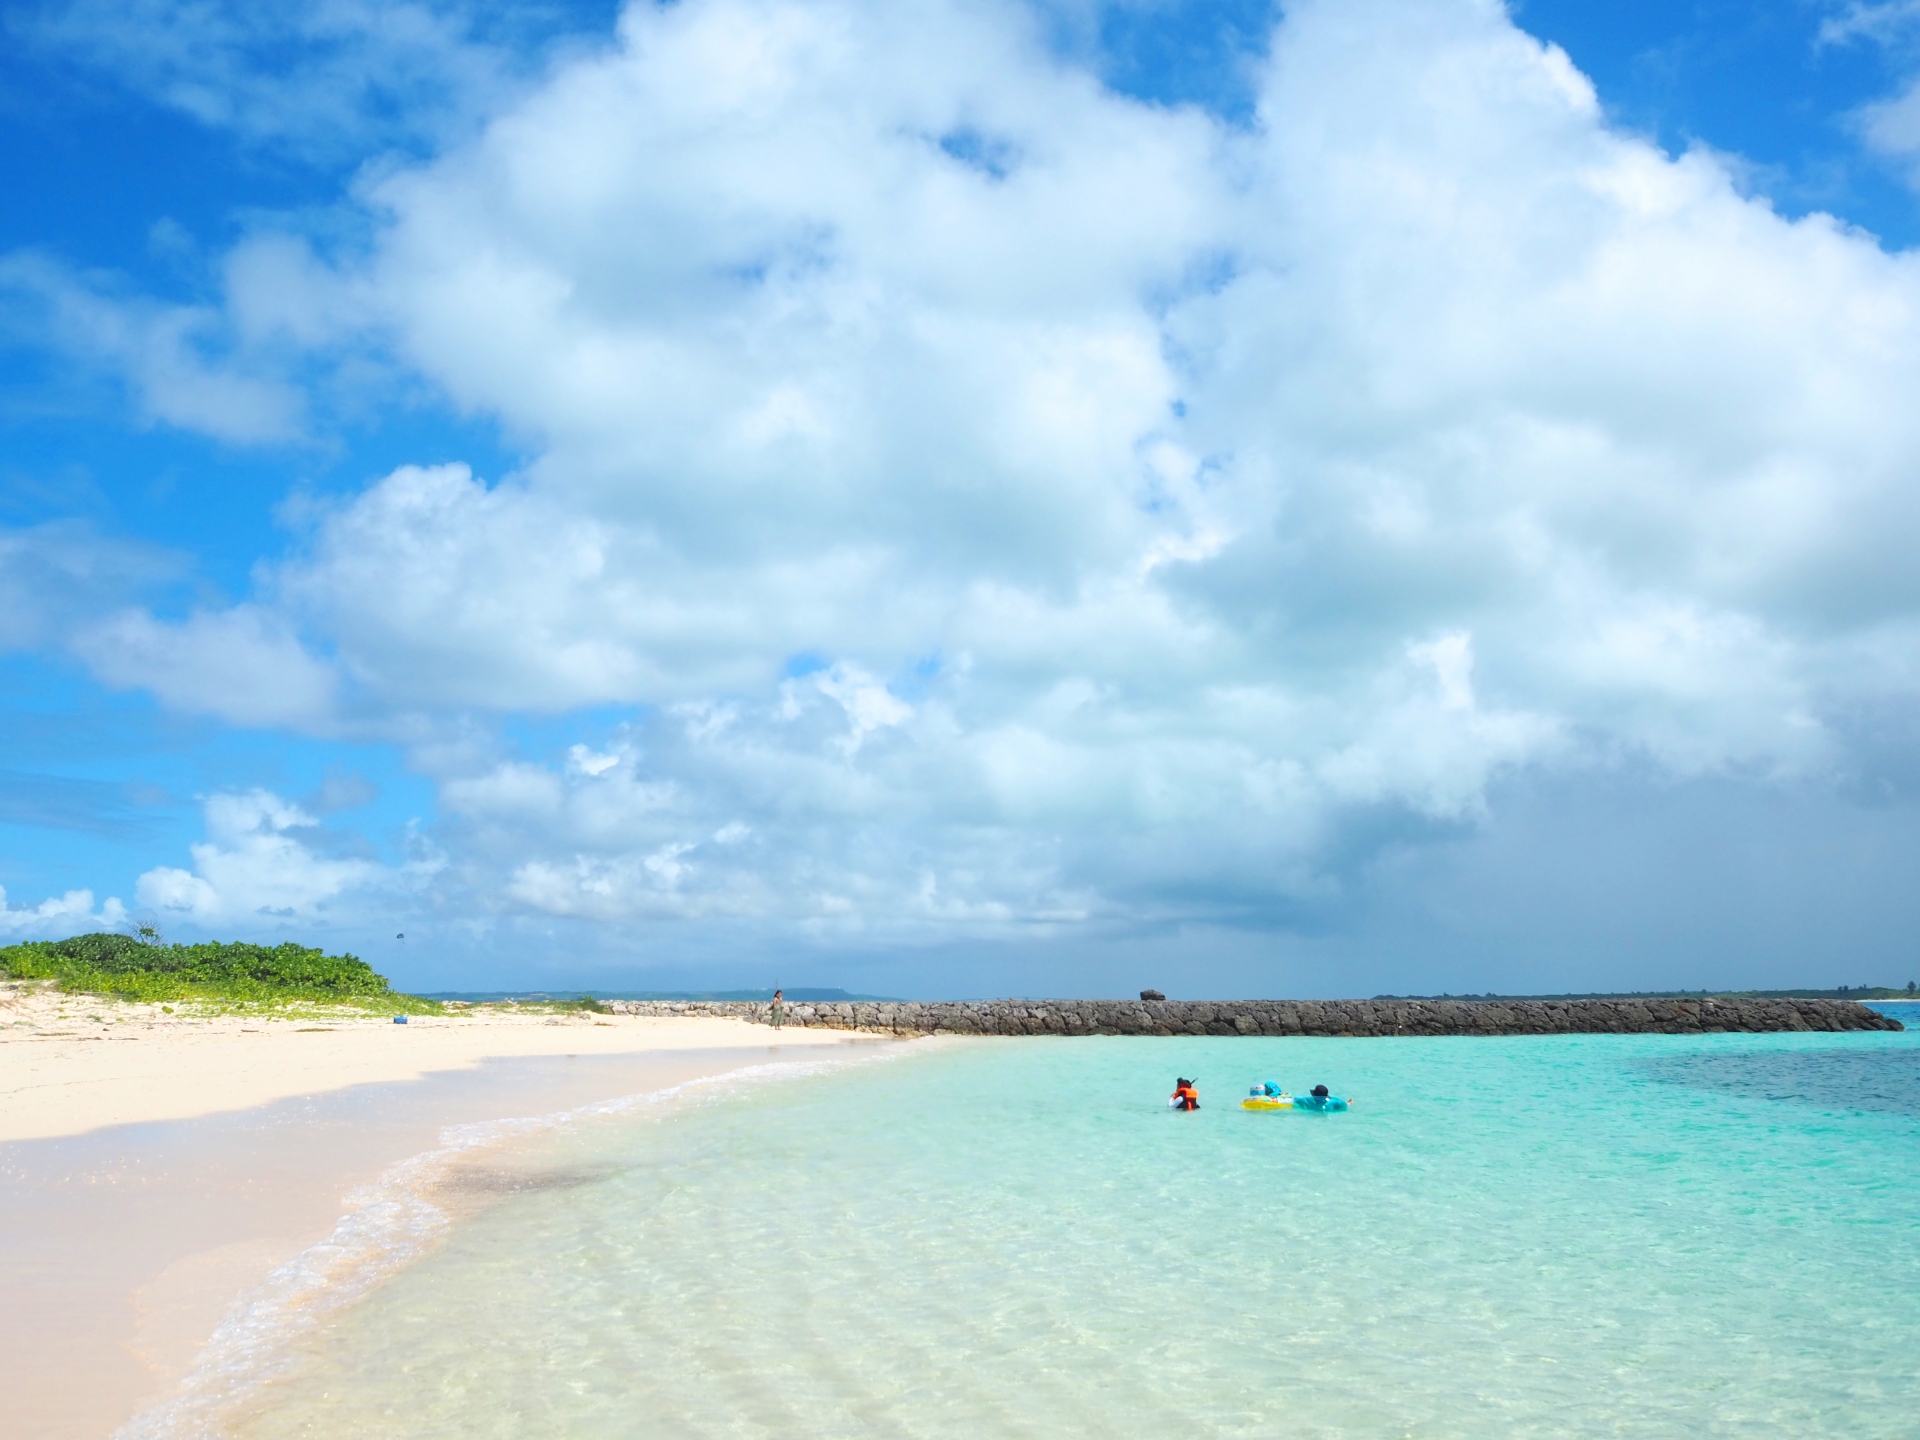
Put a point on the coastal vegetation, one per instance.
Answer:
(142, 967)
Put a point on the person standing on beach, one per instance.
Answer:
(777, 1015)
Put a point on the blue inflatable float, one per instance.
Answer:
(1271, 1097)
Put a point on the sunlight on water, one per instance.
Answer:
(1622, 1236)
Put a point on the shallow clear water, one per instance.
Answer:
(1566, 1236)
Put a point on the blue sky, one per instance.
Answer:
(941, 499)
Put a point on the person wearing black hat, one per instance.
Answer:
(1185, 1096)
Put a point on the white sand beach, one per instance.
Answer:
(155, 1166)
(73, 1063)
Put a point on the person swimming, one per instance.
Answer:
(1185, 1096)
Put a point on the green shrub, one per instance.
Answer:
(122, 965)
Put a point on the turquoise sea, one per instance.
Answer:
(1539, 1236)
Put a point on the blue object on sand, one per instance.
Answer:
(399, 1019)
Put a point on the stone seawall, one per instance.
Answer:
(1297, 1017)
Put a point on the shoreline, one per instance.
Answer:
(155, 1187)
(74, 1063)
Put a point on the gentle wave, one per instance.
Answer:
(388, 1225)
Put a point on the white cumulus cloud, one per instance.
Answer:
(259, 864)
(244, 665)
(57, 917)
(169, 356)
(1014, 505)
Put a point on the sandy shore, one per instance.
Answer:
(74, 1063)
(156, 1167)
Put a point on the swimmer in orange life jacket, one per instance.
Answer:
(1185, 1097)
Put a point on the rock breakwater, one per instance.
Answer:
(1297, 1017)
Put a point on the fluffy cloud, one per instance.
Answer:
(55, 919)
(167, 355)
(1008, 504)
(262, 863)
(837, 806)
(244, 665)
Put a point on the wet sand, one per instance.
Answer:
(122, 1247)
